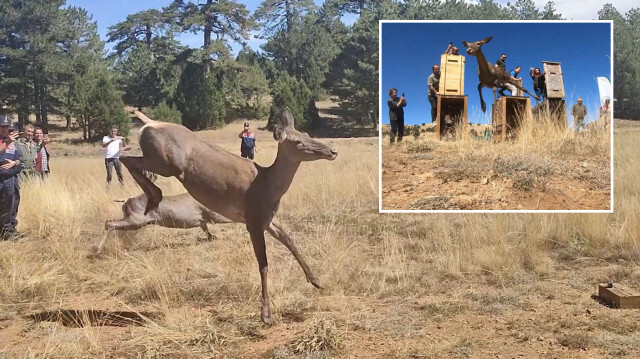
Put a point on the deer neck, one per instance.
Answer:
(483, 64)
(280, 174)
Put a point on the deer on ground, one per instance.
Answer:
(235, 187)
(490, 76)
(179, 211)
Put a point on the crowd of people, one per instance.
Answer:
(21, 158)
(396, 104)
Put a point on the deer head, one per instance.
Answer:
(473, 48)
(298, 145)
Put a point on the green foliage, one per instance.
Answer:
(415, 131)
(355, 75)
(138, 28)
(200, 99)
(277, 15)
(166, 113)
(626, 60)
(304, 51)
(98, 103)
(293, 93)
(254, 86)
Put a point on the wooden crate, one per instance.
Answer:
(619, 296)
(452, 75)
(451, 114)
(507, 114)
(554, 109)
(553, 79)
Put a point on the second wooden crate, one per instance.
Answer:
(452, 75)
(507, 114)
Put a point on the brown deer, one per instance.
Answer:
(490, 76)
(179, 211)
(235, 187)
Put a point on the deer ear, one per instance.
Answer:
(279, 134)
(466, 44)
(484, 41)
(287, 118)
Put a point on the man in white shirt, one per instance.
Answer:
(113, 147)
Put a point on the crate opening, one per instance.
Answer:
(452, 116)
(508, 115)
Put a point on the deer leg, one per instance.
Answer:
(525, 91)
(153, 192)
(99, 250)
(482, 103)
(260, 250)
(203, 225)
(278, 233)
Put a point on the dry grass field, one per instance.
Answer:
(395, 286)
(542, 169)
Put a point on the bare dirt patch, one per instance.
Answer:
(426, 174)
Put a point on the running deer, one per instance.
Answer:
(490, 76)
(235, 187)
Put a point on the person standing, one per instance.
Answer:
(579, 112)
(10, 166)
(113, 147)
(42, 158)
(434, 87)
(248, 144)
(538, 83)
(396, 114)
(28, 150)
(502, 62)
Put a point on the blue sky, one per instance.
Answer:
(409, 50)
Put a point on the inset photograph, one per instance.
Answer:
(496, 116)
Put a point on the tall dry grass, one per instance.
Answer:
(207, 294)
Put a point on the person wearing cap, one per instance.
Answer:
(248, 144)
(10, 166)
(113, 146)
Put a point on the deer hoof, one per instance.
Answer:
(314, 281)
(484, 107)
(266, 315)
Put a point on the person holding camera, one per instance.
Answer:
(10, 166)
(451, 50)
(113, 147)
(396, 114)
(248, 144)
(538, 82)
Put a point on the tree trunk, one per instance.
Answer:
(68, 118)
(36, 99)
(44, 117)
(83, 123)
(287, 15)
(207, 38)
(148, 35)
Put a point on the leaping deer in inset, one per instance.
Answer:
(490, 75)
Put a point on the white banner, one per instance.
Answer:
(605, 89)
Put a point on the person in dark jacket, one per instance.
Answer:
(248, 144)
(10, 166)
(538, 83)
(396, 114)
